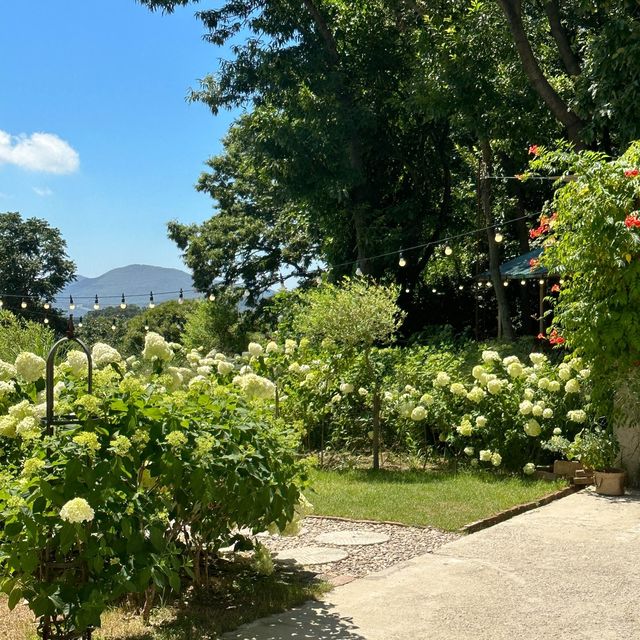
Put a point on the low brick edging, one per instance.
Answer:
(515, 511)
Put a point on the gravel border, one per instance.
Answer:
(404, 542)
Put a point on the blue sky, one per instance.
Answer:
(106, 81)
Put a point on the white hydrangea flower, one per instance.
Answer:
(224, 367)
(478, 372)
(491, 356)
(557, 431)
(537, 410)
(572, 386)
(29, 366)
(543, 384)
(510, 360)
(485, 455)
(203, 371)
(465, 428)
(585, 373)
(245, 369)
(469, 451)
(102, 354)
(272, 347)
(529, 469)
(481, 422)
(7, 370)
(577, 415)
(496, 459)
(537, 358)
(494, 387)
(363, 392)
(525, 407)
(426, 399)
(564, 372)
(547, 413)
(419, 413)
(255, 349)
(156, 347)
(290, 346)
(294, 367)
(346, 388)
(515, 370)
(529, 394)
(336, 398)
(576, 364)
(533, 428)
(76, 511)
(442, 380)
(458, 389)
(256, 387)
(476, 395)
(7, 388)
(554, 386)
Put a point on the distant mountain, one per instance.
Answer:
(136, 281)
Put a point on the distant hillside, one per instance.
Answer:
(135, 280)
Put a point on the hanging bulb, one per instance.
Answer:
(46, 320)
(402, 262)
(541, 281)
(181, 297)
(113, 327)
(461, 287)
(211, 297)
(146, 327)
(23, 304)
(123, 303)
(407, 290)
(448, 250)
(523, 282)
(80, 322)
(96, 303)
(46, 306)
(506, 283)
(434, 290)
(72, 305)
(245, 294)
(1, 304)
(359, 272)
(499, 237)
(152, 304)
(489, 284)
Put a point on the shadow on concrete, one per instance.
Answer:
(312, 621)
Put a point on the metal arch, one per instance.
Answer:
(49, 382)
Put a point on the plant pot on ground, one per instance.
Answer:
(597, 449)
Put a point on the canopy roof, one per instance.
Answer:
(518, 268)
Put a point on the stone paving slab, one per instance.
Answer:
(352, 538)
(312, 555)
(570, 569)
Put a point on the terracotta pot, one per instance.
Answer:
(609, 482)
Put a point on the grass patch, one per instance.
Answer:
(235, 596)
(438, 499)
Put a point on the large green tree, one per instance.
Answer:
(34, 264)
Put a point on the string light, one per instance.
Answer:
(359, 272)
(152, 304)
(402, 262)
(505, 283)
(113, 327)
(434, 290)
(72, 305)
(46, 306)
(123, 303)
(211, 297)
(499, 237)
(541, 281)
(407, 290)
(23, 305)
(181, 297)
(461, 287)
(448, 250)
(489, 284)
(80, 322)
(1, 304)
(245, 294)
(523, 282)
(46, 320)
(96, 303)
(146, 327)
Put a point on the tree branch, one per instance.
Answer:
(513, 13)
(569, 58)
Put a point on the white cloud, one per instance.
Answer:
(38, 152)
(43, 192)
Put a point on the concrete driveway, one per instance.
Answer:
(567, 570)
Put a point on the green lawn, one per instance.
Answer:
(430, 498)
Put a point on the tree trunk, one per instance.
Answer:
(484, 186)
(513, 12)
(569, 58)
(376, 429)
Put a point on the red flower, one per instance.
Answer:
(533, 150)
(534, 263)
(555, 288)
(632, 220)
(555, 338)
(631, 173)
(541, 336)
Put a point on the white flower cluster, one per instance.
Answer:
(442, 379)
(256, 387)
(7, 370)
(77, 362)
(577, 415)
(29, 366)
(77, 510)
(156, 348)
(102, 354)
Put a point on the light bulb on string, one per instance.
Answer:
(434, 290)
(489, 284)
(1, 303)
(96, 303)
(113, 327)
(448, 250)
(46, 306)
(211, 297)
(23, 304)
(523, 282)
(46, 320)
(407, 290)
(498, 237)
(402, 261)
(541, 281)
(80, 322)
(72, 305)
(245, 294)
(152, 304)
(359, 272)
(461, 287)
(505, 283)
(146, 327)
(123, 302)
(181, 297)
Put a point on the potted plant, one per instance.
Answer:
(597, 449)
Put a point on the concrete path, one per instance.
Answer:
(568, 570)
